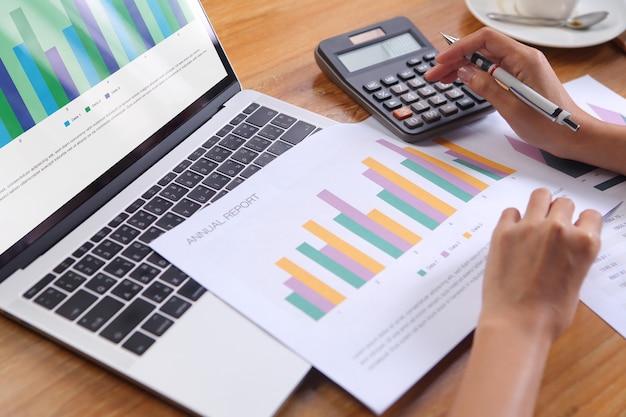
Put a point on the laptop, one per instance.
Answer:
(119, 120)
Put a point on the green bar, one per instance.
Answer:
(150, 21)
(8, 117)
(169, 15)
(324, 261)
(36, 51)
(479, 169)
(603, 186)
(85, 39)
(368, 236)
(437, 180)
(408, 209)
(306, 307)
(122, 11)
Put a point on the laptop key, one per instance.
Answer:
(76, 305)
(100, 283)
(192, 290)
(157, 292)
(136, 251)
(284, 121)
(100, 313)
(124, 234)
(298, 132)
(262, 116)
(141, 220)
(107, 249)
(169, 221)
(186, 207)
(175, 307)
(150, 234)
(158, 206)
(201, 194)
(127, 290)
(158, 260)
(64, 265)
(157, 324)
(102, 233)
(127, 320)
(145, 273)
(138, 343)
(40, 285)
(251, 107)
(69, 281)
(83, 249)
(50, 298)
(174, 276)
(119, 267)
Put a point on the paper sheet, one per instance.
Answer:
(365, 254)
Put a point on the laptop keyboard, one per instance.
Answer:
(114, 284)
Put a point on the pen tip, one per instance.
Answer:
(449, 38)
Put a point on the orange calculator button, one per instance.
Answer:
(402, 113)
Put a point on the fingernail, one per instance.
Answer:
(466, 73)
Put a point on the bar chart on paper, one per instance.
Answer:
(53, 51)
(413, 196)
(572, 168)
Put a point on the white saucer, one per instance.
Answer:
(558, 37)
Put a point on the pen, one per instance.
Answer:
(521, 90)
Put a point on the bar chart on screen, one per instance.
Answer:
(51, 52)
(356, 244)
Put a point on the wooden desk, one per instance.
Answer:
(270, 43)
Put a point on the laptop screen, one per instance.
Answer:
(86, 88)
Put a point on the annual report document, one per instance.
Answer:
(365, 254)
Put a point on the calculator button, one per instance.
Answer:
(399, 89)
(448, 109)
(421, 68)
(406, 75)
(392, 104)
(465, 103)
(389, 80)
(454, 94)
(420, 106)
(372, 86)
(437, 100)
(431, 116)
(413, 122)
(409, 98)
(426, 91)
(382, 95)
(413, 62)
(402, 113)
(429, 56)
(441, 87)
(475, 96)
(416, 83)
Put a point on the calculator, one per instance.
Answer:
(382, 66)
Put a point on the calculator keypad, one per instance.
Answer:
(415, 105)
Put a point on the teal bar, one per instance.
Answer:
(306, 307)
(407, 209)
(368, 236)
(332, 266)
(38, 56)
(479, 169)
(437, 180)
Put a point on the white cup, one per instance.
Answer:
(554, 9)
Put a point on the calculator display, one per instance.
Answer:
(379, 52)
